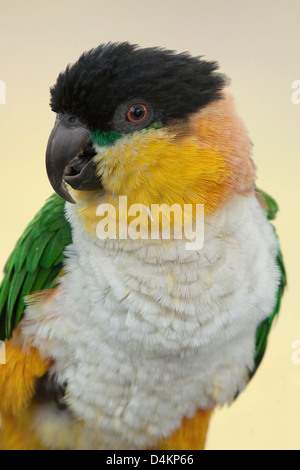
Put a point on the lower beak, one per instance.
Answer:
(69, 157)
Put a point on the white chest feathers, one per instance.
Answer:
(145, 333)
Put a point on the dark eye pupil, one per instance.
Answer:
(137, 112)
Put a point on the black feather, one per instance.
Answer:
(103, 78)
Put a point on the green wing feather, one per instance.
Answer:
(264, 328)
(35, 262)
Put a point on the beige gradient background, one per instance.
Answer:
(256, 43)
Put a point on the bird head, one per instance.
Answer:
(151, 124)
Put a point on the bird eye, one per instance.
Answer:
(136, 112)
(133, 115)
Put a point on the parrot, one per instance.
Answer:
(118, 342)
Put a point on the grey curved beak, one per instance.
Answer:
(69, 157)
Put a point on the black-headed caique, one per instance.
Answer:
(116, 339)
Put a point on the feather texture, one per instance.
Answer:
(262, 333)
(35, 262)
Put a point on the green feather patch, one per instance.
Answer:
(103, 138)
(271, 205)
(35, 262)
(263, 330)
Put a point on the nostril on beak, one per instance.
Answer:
(70, 120)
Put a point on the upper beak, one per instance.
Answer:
(69, 157)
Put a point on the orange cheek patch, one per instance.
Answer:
(156, 167)
(218, 126)
(165, 173)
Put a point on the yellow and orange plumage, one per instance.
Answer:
(132, 343)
